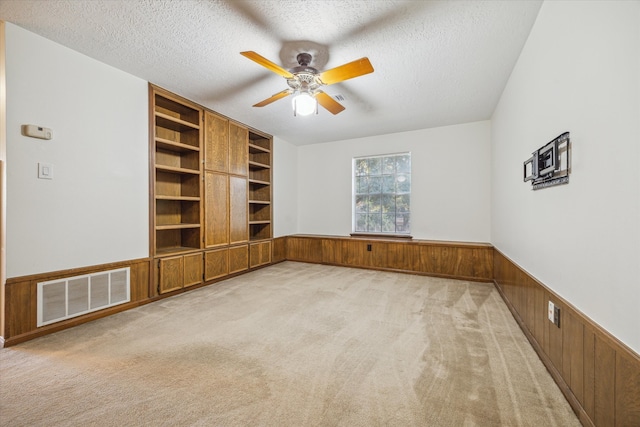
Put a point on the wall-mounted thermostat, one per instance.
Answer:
(37, 132)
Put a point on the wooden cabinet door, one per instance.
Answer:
(259, 253)
(216, 264)
(216, 209)
(238, 258)
(171, 274)
(238, 149)
(216, 143)
(192, 269)
(238, 219)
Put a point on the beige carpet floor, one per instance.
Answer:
(293, 344)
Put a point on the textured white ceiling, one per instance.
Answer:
(436, 63)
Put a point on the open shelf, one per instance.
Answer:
(178, 173)
(170, 108)
(260, 231)
(177, 226)
(177, 170)
(175, 124)
(177, 213)
(183, 198)
(170, 145)
(260, 161)
(253, 148)
(177, 240)
(259, 142)
(258, 165)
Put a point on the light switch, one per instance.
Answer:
(45, 171)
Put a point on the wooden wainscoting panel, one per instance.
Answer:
(555, 341)
(20, 307)
(332, 251)
(540, 319)
(353, 253)
(573, 354)
(589, 363)
(139, 278)
(403, 256)
(599, 375)
(627, 390)
(279, 249)
(304, 249)
(364, 253)
(460, 260)
(21, 298)
(546, 327)
(605, 374)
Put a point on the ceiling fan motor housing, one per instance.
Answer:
(305, 78)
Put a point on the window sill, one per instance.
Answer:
(382, 236)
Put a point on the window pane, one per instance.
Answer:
(389, 165)
(362, 185)
(402, 203)
(389, 184)
(375, 201)
(374, 223)
(361, 204)
(404, 184)
(361, 222)
(388, 203)
(375, 166)
(362, 167)
(403, 164)
(388, 223)
(375, 184)
(403, 224)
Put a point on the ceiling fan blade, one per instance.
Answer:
(348, 71)
(274, 98)
(329, 103)
(267, 64)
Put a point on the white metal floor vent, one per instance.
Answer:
(72, 296)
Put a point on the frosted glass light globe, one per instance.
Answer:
(304, 104)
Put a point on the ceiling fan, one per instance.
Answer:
(305, 82)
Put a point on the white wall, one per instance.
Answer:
(450, 193)
(578, 72)
(95, 210)
(285, 188)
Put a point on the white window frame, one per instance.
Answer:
(381, 179)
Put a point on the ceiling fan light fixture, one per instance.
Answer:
(304, 104)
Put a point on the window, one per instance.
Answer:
(382, 194)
